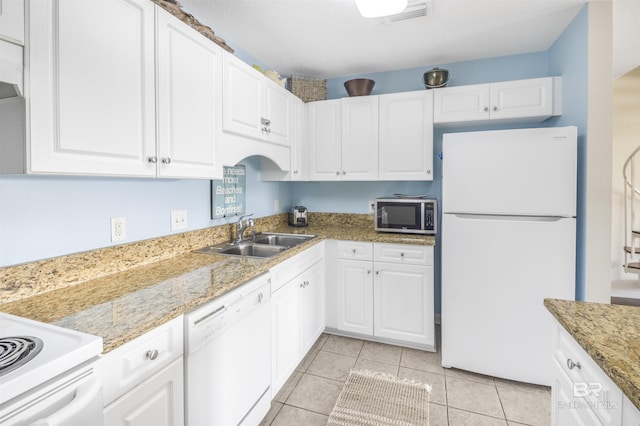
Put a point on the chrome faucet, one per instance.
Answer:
(242, 226)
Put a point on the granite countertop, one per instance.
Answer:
(610, 334)
(124, 305)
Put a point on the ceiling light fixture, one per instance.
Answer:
(378, 8)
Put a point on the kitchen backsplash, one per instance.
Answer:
(30, 279)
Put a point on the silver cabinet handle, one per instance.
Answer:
(401, 254)
(295, 172)
(495, 108)
(368, 271)
(344, 173)
(338, 172)
(428, 171)
(571, 365)
(166, 160)
(152, 355)
(377, 272)
(486, 109)
(260, 297)
(153, 159)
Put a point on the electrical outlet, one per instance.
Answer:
(372, 207)
(118, 229)
(178, 220)
(276, 205)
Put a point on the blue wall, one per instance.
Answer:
(43, 217)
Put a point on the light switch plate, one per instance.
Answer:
(178, 220)
(118, 229)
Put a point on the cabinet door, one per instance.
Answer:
(522, 98)
(403, 303)
(406, 136)
(312, 304)
(158, 401)
(299, 143)
(92, 87)
(461, 103)
(12, 21)
(189, 99)
(242, 98)
(355, 296)
(359, 138)
(285, 333)
(279, 113)
(324, 140)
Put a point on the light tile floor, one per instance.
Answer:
(458, 398)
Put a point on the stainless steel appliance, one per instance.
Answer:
(48, 374)
(228, 358)
(407, 214)
(298, 216)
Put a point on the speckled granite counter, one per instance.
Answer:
(610, 334)
(123, 305)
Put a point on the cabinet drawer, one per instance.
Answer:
(403, 253)
(131, 363)
(589, 381)
(290, 268)
(355, 250)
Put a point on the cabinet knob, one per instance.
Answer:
(344, 173)
(338, 172)
(401, 254)
(368, 271)
(377, 272)
(486, 109)
(571, 365)
(428, 171)
(152, 355)
(295, 172)
(260, 297)
(495, 108)
(353, 250)
(166, 160)
(153, 159)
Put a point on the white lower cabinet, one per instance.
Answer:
(158, 401)
(143, 379)
(297, 311)
(582, 394)
(384, 291)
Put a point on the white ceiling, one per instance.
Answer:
(328, 38)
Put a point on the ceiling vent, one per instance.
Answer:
(415, 9)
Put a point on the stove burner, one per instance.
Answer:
(17, 351)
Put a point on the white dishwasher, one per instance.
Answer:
(228, 358)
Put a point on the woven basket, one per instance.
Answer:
(307, 89)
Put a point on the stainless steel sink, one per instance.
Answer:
(267, 244)
(285, 240)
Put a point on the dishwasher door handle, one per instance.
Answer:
(218, 311)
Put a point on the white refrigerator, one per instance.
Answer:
(508, 242)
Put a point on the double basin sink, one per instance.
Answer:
(265, 244)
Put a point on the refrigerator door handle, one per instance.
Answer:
(502, 218)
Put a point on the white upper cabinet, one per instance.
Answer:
(92, 87)
(12, 21)
(254, 106)
(520, 100)
(343, 139)
(359, 144)
(406, 136)
(325, 134)
(189, 99)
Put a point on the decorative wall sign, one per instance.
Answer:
(228, 195)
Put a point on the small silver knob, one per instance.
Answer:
(344, 173)
(166, 160)
(353, 250)
(368, 271)
(377, 272)
(153, 159)
(260, 297)
(152, 355)
(571, 365)
(401, 254)
(495, 108)
(486, 109)
(295, 172)
(338, 172)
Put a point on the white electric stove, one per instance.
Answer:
(37, 359)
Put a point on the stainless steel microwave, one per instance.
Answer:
(407, 215)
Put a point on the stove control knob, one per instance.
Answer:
(152, 354)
